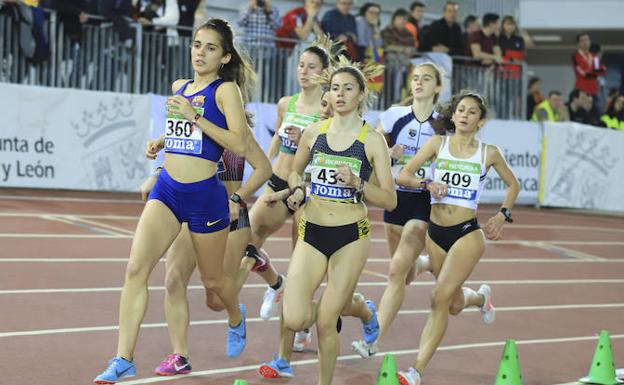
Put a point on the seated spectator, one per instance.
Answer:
(300, 23)
(587, 67)
(444, 35)
(398, 41)
(577, 102)
(340, 25)
(417, 11)
(534, 96)
(484, 43)
(512, 47)
(472, 24)
(259, 20)
(368, 31)
(551, 109)
(614, 117)
(593, 116)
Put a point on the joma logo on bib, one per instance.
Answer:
(331, 192)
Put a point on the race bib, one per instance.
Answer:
(295, 119)
(461, 177)
(324, 177)
(424, 172)
(180, 134)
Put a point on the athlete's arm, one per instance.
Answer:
(275, 142)
(261, 169)
(494, 226)
(427, 152)
(382, 194)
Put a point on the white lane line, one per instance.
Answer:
(565, 252)
(287, 260)
(72, 222)
(254, 320)
(116, 229)
(360, 284)
(350, 357)
(69, 199)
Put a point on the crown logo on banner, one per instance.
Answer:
(104, 119)
(586, 147)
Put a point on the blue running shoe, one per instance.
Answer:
(277, 368)
(237, 336)
(371, 328)
(117, 368)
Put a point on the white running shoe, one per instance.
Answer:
(303, 339)
(488, 312)
(411, 377)
(271, 302)
(363, 349)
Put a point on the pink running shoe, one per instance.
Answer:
(172, 365)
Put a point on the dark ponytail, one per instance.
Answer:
(443, 124)
(238, 69)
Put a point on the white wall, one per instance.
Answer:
(571, 14)
(555, 77)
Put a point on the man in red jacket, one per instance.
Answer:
(587, 67)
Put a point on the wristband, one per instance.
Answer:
(424, 183)
(196, 118)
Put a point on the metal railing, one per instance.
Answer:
(151, 61)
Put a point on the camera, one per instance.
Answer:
(260, 3)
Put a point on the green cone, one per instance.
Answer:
(388, 371)
(509, 369)
(602, 370)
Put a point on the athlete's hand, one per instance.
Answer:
(437, 190)
(346, 177)
(294, 133)
(153, 147)
(494, 227)
(396, 151)
(147, 186)
(275, 197)
(181, 105)
(295, 199)
(234, 210)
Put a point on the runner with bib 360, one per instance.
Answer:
(455, 242)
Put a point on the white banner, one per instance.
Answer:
(72, 139)
(520, 143)
(584, 167)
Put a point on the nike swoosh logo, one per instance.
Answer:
(178, 368)
(209, 224)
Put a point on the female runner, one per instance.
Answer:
(205, 115)
(334, 229)
(454, 240)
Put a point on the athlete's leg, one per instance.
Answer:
(180, 266)
(451, 272)
(393, 236)
(345, 267)
(156, 230)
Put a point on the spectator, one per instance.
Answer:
(340, 25)
(259, 22)
(417, 11)
(614, 117)
(601, 97)
(551, 109)
(444, 35)
(187, 9)
(368, 31)
(593, 116)
(534, 96)
(71, 14)
(484, 43)
(576, 105)
(587, 67)
(301, 24)
(471, 24)
(398, 48)
(158, 15)
(512, 47)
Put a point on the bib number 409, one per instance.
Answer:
(454, 179)
(179, 128)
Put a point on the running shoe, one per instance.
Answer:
(277, 368)
(371, 328)
(363, 349)
(117, 368)
(237, 336)
(172, 365)
(261, 257)
(411, 377)
(272, 300)
(302, 340)
(488, 312)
